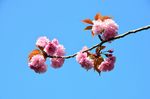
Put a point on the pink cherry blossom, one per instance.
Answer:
(84, 60)
(111, 59)
(50, 48)
(111, 23)
(97, 27)
(81, 55)
(37, 63)
(107, 64)
(57, 62)
(55, 41)
(86, 63)
(110, 29)
(42, 41)
(60, 50)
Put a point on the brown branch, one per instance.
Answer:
(102, 42)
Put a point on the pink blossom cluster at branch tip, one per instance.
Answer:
(37, 63)
(84, 60)
(107, 64)
(47, 48)
(107, 28)
(53, 48)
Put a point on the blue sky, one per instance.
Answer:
(23, 21)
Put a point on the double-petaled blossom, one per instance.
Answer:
(50, 48)
(98, 27)
(53, 48)
(110, 29)
(57, 62)
(84, 60)
(37, 63)
(55, 41)
(42, 42)
(107, 64)
(60, 51)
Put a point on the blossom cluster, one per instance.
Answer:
(84, 60)
(88, 60)
(46, 49)
(108, 28)
(103, 26)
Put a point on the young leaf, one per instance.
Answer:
(98, 49)
(102, 47)
(88, 28)
(105, 17)
(88, 21)
(92, 33)
(91, 56)
(34, 52)
(97, 62)
(98, 16)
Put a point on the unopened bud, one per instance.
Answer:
(108, 55)
(110, 51)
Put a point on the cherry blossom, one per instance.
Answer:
(50, 48)
(57, 62)
(84, 60)
(97, 27)
(110, 29)
(42, 41)
(107, 64)
(37, 63)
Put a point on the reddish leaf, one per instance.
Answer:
(102, 47)
(97, 62)
(105, 17)
(88, 21)
(98, 49)
(98, 16)
(34, 52)
(91, 56)
(88, 28)
(92, 33)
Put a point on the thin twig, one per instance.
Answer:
(100, 38)
(102, 42)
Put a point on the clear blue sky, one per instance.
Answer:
(23, 21)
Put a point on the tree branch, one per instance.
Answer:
(102, 42)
